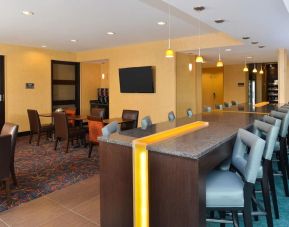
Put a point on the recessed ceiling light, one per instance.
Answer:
(43, 46)
(254, 42)
(73, 40)
(27, 13)
(110, 33)
(261, 46)
(220, 21)
(162, 23)
(199, 8)
(249, 57)
(228, 49)
(246, 37)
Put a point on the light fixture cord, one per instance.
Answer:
(219, 55)
(169, 27)
(199, 31)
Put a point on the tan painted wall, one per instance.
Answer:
(233, 74)
(212, 86)
(22, 65)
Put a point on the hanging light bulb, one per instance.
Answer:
(261, 70)
(169, 51)
(190, 67)
(199, 58)
(255, 70)
(219, 62)
(245, 69)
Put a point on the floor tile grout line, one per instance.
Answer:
(4, 222)
(72, 211)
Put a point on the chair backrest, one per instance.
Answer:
(131, 115)
(109, 129)
(94, 128)
(263, 129)
(5, 156)
(248, 167)
(219, 106)
(146, 122)
(171, 116)
(12, 130)
(234, 103)
(283, 110)
(227, 104)
(60, 125)
(97, 112)
(189, 112)
(284, 117)
(34, 120)
(70, 112)
(207, 109)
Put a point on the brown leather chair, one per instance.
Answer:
(129, 115)
(5, 157)
(94, 131)
(64, 132)
(70, 112)
(36, 127)
(97, 112)
(12, 130)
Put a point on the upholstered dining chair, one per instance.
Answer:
(207, 109)
(71, 111)
(5, 160)
(12, 130)
(189, 112)
(146, 122)
(129, 115)
(109, 129)
(97, 112)
(36, 127)
(219, 106)
(171, 116)
(95, 126)
(65, 133)
(227, 104)
(228, 191)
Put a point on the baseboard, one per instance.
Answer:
(26, 133)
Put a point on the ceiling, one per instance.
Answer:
(56, 22)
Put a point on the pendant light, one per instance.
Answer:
(169, 51)
(199, 58)
(245, 67)
(219, 62)
(255, 70)
(261, 70)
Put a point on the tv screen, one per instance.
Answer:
(136, 80)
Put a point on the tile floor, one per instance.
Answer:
(76, 205)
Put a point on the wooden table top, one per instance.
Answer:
(118, 120)
(70, 117)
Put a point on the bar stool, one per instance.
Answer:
(234, 103)
(207, 109)
(109, 129)
(189, 112)
(227, 104)
(171, 116)
(228, 191)
(146, 122)
(219, 106)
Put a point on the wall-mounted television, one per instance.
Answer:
(137, 79)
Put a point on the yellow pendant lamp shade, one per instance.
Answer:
(220, 63)
(255, 70)
(261, 70)
(199, 59)
(169, 53)
(245, 69)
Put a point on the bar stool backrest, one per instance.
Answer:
(146, 122)
(109, 129)
(284, 117)
(171, 116)
(189, 112)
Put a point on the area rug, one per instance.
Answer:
(41, 170)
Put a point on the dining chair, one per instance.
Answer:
(71, 111)
(227, 104)
(234, 103)
(5, 160)
(65, 133)
(229, 191)
(146, 122)
(129, 115)
(171, 116)
(12, 130)
(207, 109)
(36, 127)
(95, 126)
(109, 129)
(189, 112)
(219, 106)
(97, 112)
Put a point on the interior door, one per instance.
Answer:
(2, 92)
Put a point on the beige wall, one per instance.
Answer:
(22, 65)
(233, 74)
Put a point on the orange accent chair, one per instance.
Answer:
(95, 126)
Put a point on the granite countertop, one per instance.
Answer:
(222, 127)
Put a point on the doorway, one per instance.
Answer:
(2, 92)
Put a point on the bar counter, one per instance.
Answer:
(177, 169)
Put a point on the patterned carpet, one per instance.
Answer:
(42, 170)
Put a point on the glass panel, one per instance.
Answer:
(63, 106)
(63, 92)
(63, 72)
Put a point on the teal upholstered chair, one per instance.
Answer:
(207, 109)
(235, 103)
(189, 112)
(227, 104)
(146, 122)
(109, 129)
(228, 191)
(281, 145)
(171, 116)
(219, 106)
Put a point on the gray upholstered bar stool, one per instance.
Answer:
(189, 112)
(109, 129)
(227, 104)
(146, 122)
(207, 109)
(281, 146)
(235, 103)
(171, 116)
(219, 106)
(228, 191)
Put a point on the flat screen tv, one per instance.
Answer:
(137, 80)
